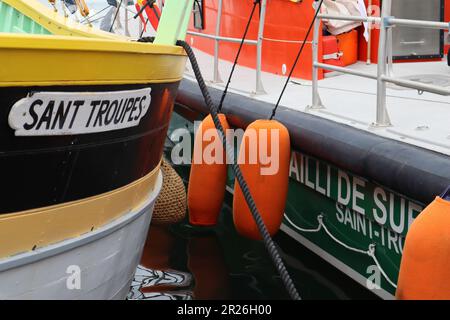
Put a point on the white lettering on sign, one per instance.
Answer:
(67, 113)
(357, 222)
(384, 207)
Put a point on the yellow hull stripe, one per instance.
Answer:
(23, 231)
(58, 60)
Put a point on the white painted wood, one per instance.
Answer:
(107, 258)
(40, 113)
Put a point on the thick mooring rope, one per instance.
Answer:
(268, 242)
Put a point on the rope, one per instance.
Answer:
(296, 60)
(143, 29)
(115, 16)
(369, 252)
(320, 219)
(268, 242)
(302, 229)
(372, 255)
(95, 14)
(97, 19)
(224, 93)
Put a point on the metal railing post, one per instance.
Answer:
(262, 18)
(390, 55)
(382, 117)
(369, 42)
(316, 102)
(216, 77)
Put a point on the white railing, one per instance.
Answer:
(383, 76)
(259, 88)
(384, 73)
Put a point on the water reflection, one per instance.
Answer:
(207, 265)
(201, 275)
(182, 262)
(151, 284)
(154, 278)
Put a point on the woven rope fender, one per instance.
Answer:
(170, 207)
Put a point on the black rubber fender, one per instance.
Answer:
(415, 172)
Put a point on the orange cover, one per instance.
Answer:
(348, 45)
(424, 270)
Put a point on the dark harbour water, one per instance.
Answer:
(185, 262)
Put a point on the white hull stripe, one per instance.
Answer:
(66, 245)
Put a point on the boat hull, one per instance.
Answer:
(54, 167)
(105, 261)
(352, 196)
(83, 124)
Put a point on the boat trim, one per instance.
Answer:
(45, 226)
(66, 245)
(43, 60)
(65, 43)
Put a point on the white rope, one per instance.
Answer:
(63, 8)
(320, 219)
(372, 255)
(86, 19)
(301, 229)
(369, 252)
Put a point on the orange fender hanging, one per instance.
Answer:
(153, 14)
(207, 180)
(267, 176)
(425, 266)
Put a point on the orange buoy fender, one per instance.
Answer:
(425, 266)
(208, 175)
(153, 14)
(264, 161)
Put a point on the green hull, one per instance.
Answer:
(357, 216)
(363, 225)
